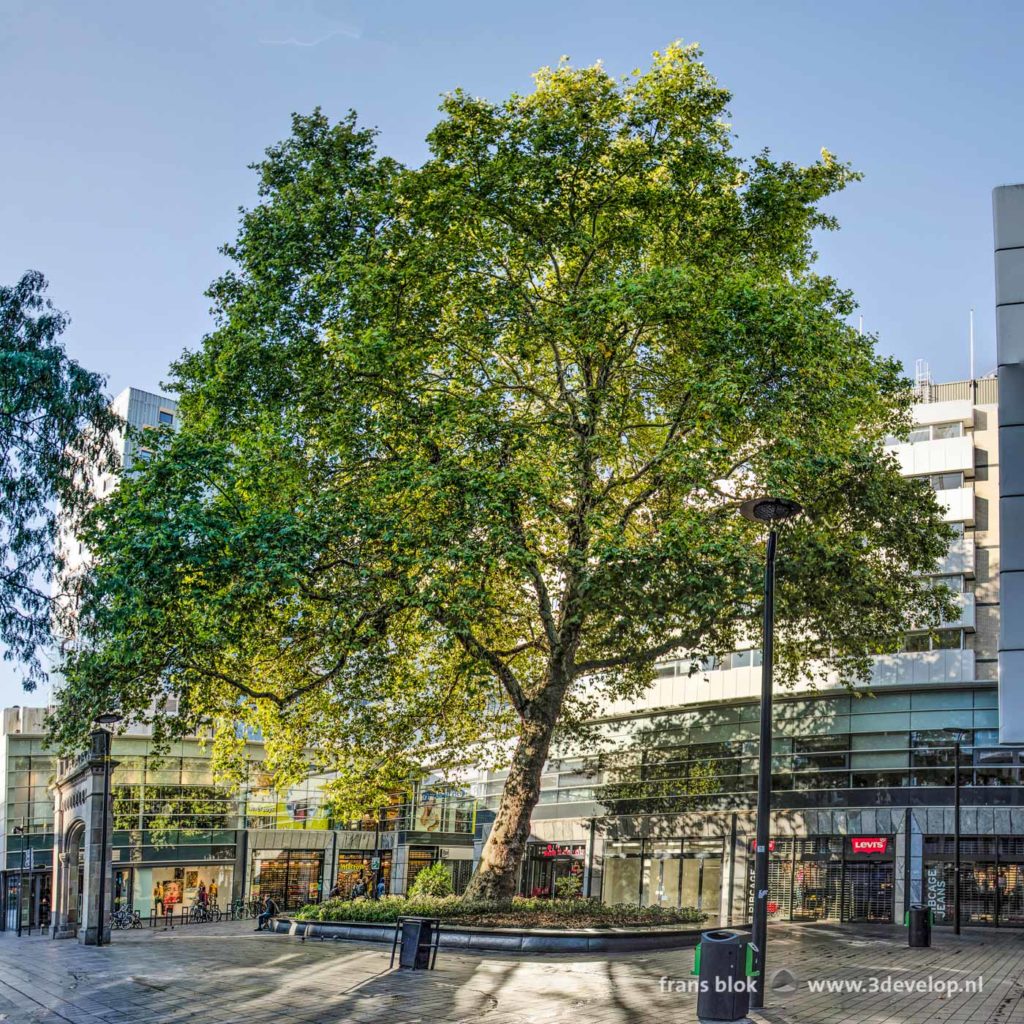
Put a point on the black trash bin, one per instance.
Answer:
(919, 920)
(725, 967)
(419, 937)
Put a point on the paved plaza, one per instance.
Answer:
(221, 973)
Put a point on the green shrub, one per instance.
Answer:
(521, 912)
(569, 887)
(434, 881)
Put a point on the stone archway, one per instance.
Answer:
(72, 882)
(78, 851)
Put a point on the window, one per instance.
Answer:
(942, 640)
(948, 640)
(664, 671)
(955, 583)
(745, 659)
(145, 455)
(937, 432)
(166, 418)
(946, 481)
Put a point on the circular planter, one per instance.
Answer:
(505, 940)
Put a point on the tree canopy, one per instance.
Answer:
(463, 454)
(55, 427)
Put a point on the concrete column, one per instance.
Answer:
(1008, 218)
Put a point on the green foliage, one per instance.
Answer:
(568, 887)
(435, 881)
(54, 427)
(520, 911)
(463, 455)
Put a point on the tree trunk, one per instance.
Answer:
(496, 874)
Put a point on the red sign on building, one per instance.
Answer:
(868, 844)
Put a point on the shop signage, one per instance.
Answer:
(554, 850)
(771, 845)
(868, 844)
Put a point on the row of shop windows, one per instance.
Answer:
(291, 877)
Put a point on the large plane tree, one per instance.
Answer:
(462, 457)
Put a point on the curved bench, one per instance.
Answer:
(504, 940)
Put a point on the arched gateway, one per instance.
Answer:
(80, 834)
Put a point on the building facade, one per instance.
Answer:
(862, 818)
(175, 827)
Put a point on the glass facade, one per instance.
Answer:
(665, 872)
(824, 749)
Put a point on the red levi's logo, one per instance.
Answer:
(878, 845)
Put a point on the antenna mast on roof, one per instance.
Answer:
(971, 337)
(923, 380)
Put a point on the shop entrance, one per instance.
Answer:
(868, 892)
(355, 863)
(420, 857)
(546, 863)
(828, 878)
(991, 879)
(816, 888)
(291, 878)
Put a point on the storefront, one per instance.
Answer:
(172, 886)
(291, 878)
(159, 869)
(356, 864)
(836, 878)
(665, 872)
(991, 879)
(546, 863)
(35, 889)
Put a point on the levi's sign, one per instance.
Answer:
(865, 844)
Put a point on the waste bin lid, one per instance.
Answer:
(919, 906)
(722, 935)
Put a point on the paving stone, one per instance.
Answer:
(225, 973)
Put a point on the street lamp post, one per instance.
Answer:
(109, 718)
(20, 830)
(958, 736)
(771, 511)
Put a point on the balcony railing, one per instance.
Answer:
(942, 455)
(958, 505)
(959, 559)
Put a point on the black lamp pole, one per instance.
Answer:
(20, 830)
(771, 511)
(958, 735)
(109, 718)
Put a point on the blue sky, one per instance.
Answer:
(128, 127)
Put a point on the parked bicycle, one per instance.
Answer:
(201, 914)
(125, 918)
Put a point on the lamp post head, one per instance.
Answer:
(107, 718)
(769, 510)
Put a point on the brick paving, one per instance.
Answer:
(222, 973)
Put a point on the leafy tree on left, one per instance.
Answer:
(55, 433)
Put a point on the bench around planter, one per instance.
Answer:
(505, 940)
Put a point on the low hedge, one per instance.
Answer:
(518, 912)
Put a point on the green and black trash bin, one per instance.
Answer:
(725, 966)
(919, 920)
(419, 937)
